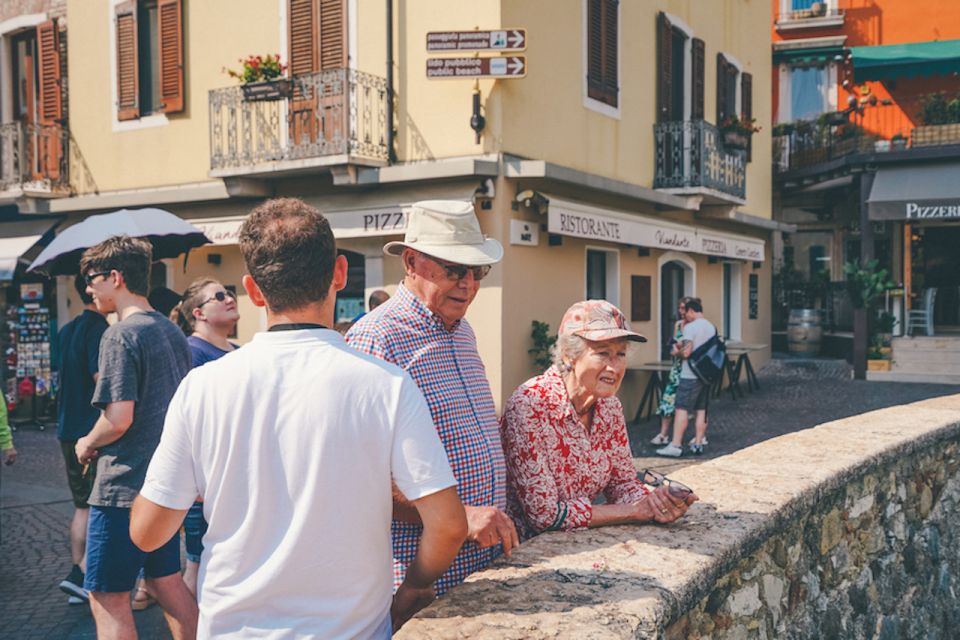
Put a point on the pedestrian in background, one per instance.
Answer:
(422, 329)
(208, 316)
(79, 350)
(6, 436)
(668, 398)
(292, 442)
(693, 394)
(143, 358)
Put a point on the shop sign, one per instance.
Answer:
(506, 67)
(580, 222)
(501, 40)
(917, 211)
(524, 233)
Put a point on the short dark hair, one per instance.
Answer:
(130, 256)
(694, 304)
(290, 252)
(80, 284)
(377, 298)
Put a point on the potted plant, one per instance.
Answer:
(865, 284)
(876, 360)
(898, 142)
(737, 132)
(262, 78)
(885, 323)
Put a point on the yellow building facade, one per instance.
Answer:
(603, 167)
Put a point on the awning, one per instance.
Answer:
(891, 61)
(594, 223)
(387, 220)
(812, 55)
(16, 238)
(924, 192)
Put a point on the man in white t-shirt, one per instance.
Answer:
(692, 394)
(292, 442)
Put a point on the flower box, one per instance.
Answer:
(735, 140)
(265, 90)
(878, 365)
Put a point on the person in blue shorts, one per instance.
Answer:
(208, 316)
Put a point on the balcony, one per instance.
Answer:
(33, 161)
(691, 160)
(328, 119)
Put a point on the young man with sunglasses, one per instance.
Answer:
(143, 358)
(422, 329)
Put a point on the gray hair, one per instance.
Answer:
(567, 348)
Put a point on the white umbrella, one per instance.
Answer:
(169, 235)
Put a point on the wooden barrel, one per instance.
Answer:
(804, 332)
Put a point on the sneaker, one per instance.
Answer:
(660, 439)
(697, 449)
(72, 585)
(693, 441)
(72, 600)
(671, 451)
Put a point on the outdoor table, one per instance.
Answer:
(733, 380)
(655, 385)
(741, 351)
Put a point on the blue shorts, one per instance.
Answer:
(194, 526)
(113, 561)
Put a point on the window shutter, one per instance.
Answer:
(304, 52)
(170, 17)
(48, 45)
(595, 49)
(333, 35)
(746, 95)
(721, 88)
(128, 93)
(610, 38)
(698, 64)
(664, 68)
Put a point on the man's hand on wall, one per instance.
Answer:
(489, 526)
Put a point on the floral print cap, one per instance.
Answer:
(597, 320)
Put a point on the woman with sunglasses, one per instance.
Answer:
(565, 438)
(208, 314)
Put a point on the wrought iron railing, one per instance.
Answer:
(34, 157)
(328, 113)
(799, 149)
(692, 154)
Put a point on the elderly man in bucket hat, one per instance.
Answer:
(422, 329)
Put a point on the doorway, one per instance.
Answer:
(935, 263)
(676, 281)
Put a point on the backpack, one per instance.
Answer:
(708, 360)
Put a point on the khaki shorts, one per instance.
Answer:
(80, 485)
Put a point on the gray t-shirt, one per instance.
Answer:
(698, 331)
(142, 358)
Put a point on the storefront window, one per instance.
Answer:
(350, 299)
(602, 277)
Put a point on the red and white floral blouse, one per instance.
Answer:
(555, 466)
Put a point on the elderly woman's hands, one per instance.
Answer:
(662, 506)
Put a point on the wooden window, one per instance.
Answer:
(602, 51)
(318, 35)
(664, 68)
(746, 106)
(149, 35)
(48, 49)
(697, 111)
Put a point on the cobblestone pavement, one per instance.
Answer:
(35, 508)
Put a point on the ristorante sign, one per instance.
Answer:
(579, 222)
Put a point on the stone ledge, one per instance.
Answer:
(634, 581)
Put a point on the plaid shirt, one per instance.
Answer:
(447, 368)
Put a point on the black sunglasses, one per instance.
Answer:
(219, 296)
(459, 271)
(90, 277)
(678, 490)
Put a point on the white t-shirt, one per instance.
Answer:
(292, 442)
(699, 331)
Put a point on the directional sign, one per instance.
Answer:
(505, 40)
(506, 67)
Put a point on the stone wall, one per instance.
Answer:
(847, 530)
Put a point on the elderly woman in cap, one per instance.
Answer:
(565, 438)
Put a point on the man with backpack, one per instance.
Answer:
(693, 393)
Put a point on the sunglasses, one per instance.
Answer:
(654, 479)
(90, 277)
(456, 272)
(219, 296)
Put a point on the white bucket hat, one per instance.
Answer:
(449, 230)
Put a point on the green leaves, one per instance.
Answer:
(542, 344)
(866, 283)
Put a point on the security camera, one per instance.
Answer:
(533, 199)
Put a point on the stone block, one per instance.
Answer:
(831, 531)
(746, 601)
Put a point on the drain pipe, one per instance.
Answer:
(391, 152)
